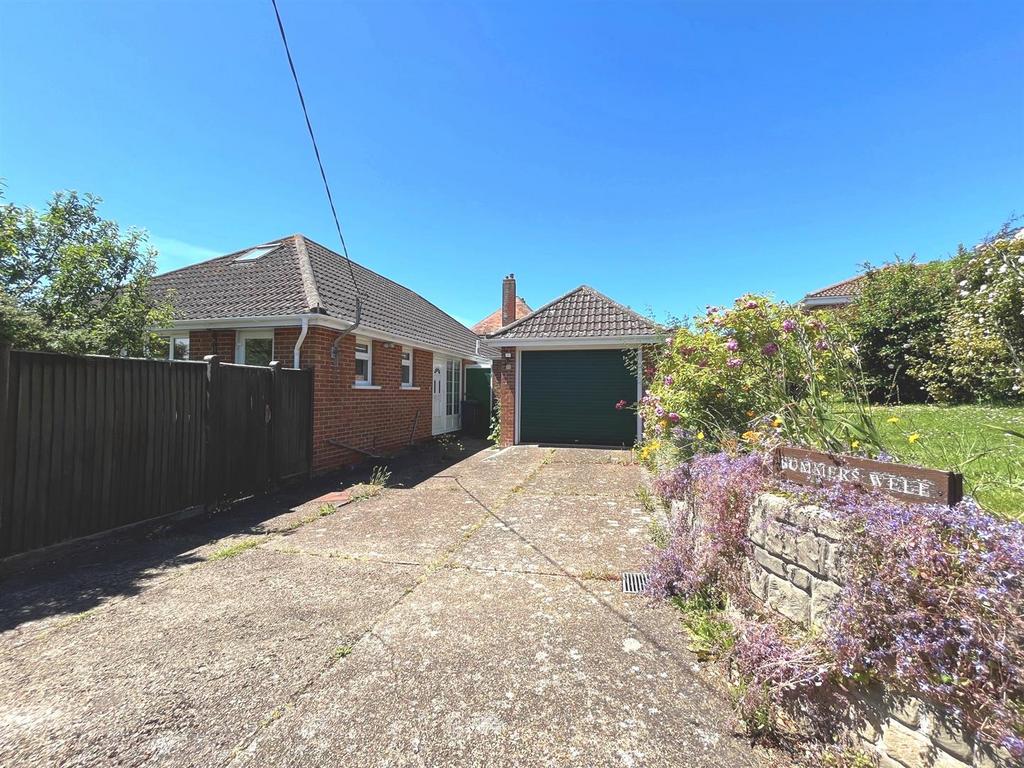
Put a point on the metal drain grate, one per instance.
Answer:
(634, 582)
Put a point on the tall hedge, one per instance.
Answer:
(898, 322)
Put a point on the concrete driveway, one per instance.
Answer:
(471, 616)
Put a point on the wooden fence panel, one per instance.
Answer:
(242, 440)
(292, 427)
(93, 443)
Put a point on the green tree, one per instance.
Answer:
(897, 322)
(71, 281)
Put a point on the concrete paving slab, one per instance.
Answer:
(582, 535)
(518, 671)
(415, 526)
(584, 479)
(592, 456)
(186, 670)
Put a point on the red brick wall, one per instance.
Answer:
(203, 343)
(504, 383)
(378, 420)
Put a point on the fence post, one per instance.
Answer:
(275, 393)
(214, 449)
(5, 476)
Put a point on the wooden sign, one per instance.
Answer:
(930, 486)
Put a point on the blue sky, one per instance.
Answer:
(668, 154)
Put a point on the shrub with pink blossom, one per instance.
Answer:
(760, 362)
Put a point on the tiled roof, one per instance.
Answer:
(581, 313)
(845, 289)
(301, 276)
(492, 322)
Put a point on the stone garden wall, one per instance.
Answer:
(796, 569)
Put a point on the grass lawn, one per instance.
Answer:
(961, 438)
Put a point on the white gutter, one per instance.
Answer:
(302, 338)
(569, 342)
(313, 320)
(827, 301)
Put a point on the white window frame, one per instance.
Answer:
(406, 364)
(170, 345)
(243, 336)
(368, 357)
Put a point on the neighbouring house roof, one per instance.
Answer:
(583, 313)
(838, 293)
(492, 322)
(300, 276)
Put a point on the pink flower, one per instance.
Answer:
(732, 345)
(751, 304)
(770, 349)
(659, 411)
(821, 344)
(734, 362)
(620, 405)
(669, 381)
(789, 325)
(673, 417)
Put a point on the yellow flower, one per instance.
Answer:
(700, 435)
(750, 414)
(913, 438)
(819, 376)
(776, 422)
(893, 419)
(751, 437)
(855, 444)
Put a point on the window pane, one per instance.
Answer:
(361, 368)
(181, 348)
(406, 374)
(259, 351)
(362, 349)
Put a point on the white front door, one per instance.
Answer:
(438, 396)
(447, 394)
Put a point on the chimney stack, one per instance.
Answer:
(508, 299)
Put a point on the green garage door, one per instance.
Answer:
(569, 397)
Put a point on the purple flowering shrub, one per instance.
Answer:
(933, 602)
(719, 490)
(934, 605)
(761, 369)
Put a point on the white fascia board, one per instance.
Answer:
(315, 319)
(244, 323)
(604, 342)
(827, 301)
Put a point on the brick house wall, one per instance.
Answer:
(503, 377)
(377, 420)
(219, 342)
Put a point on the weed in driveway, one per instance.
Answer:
(592, 575)
(711, 634)
(646, 499)
(235, 549)
(378, 482)
(658, 534)
(341, 652)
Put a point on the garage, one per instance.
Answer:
(569, 397)
(560, 370)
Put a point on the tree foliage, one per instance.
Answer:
(74, 282)
(898, 322)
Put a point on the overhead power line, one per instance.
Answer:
(319, 162)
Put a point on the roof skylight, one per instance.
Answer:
(254, 253)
